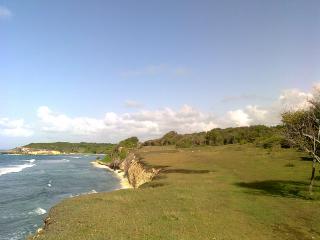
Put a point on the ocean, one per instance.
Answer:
(31, 185)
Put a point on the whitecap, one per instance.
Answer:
(38, 211)
(75, 157)
(77, 195)
(49, 185)
(30, 161)
(15, 168)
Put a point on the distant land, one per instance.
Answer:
(260, 135)
(62, 148)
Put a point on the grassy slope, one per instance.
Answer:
(225, 192)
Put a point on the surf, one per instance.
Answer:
(16, 168)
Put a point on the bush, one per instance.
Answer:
(107, 158)
(131, 142)
(123, 154)
(274, 141)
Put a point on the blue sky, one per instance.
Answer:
(95, 66)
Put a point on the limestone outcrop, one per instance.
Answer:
(136, 172)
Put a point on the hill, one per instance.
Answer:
(66, 147)
(260, 135)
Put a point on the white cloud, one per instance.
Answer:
(256, 114)
(5, 13)
(294, 99)
(55, 122)
(239, 118)
(115, 126)
(147, 124)
(290, 99)
(14, 128)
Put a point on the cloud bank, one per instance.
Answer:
(115, 126)
(147, 124)
(14, 128)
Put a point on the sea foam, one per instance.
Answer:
(38, 211)
(15, 168)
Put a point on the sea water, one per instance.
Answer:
(31, 185)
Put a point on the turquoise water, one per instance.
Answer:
(31, 185)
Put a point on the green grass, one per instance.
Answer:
(224, 192)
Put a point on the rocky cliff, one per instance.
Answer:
(135, 171)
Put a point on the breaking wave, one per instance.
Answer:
(30, 161)
(38, 211)
(16, 168)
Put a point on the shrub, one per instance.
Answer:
(107, 158)
(131, 142)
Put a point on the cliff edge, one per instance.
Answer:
(134, 170)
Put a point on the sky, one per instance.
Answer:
(101, 71)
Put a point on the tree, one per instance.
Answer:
(302, 128)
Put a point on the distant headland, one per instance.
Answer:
(57, 148)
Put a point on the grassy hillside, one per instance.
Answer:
(67, 147)
(223, 192)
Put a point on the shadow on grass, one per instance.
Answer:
(164, 169)
(185, 171)
(308, 159)
(153, 185)
(289, 189)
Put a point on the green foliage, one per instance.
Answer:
(215, 137)
(272, 141)
(131, 142)
(123, 154)
(121, 150)
(66, 147)
(107, 158)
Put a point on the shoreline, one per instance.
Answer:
(119, 174)
(124, 183)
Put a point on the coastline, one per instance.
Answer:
(119, 174)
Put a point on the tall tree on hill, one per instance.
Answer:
(302, 128)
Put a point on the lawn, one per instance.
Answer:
(224, 192)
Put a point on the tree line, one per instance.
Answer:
(260, 135)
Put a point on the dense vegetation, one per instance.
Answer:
(83, 147)
(121, 150)
(260, 135)
(129, 143)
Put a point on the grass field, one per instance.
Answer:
(225, 192)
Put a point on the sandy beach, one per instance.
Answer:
(123, 180)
